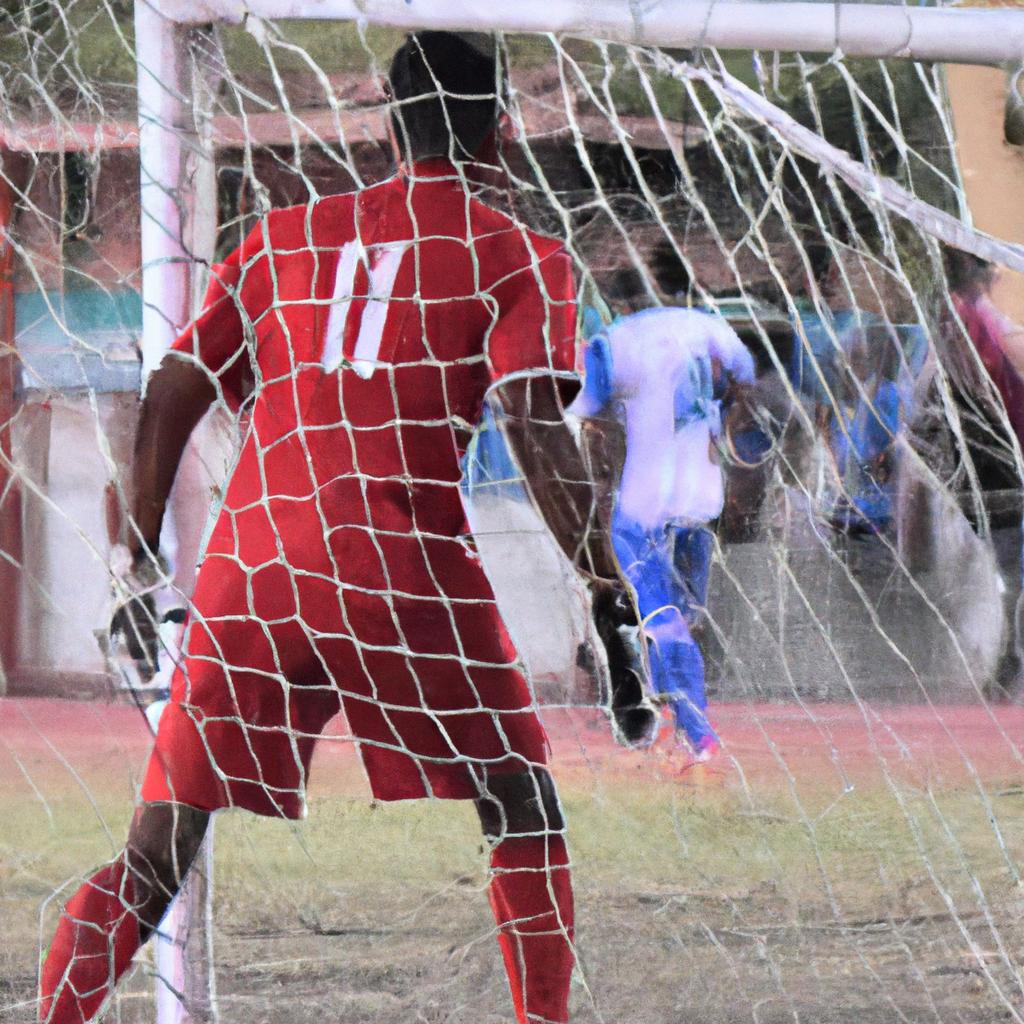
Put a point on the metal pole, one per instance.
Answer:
(162, 83)
(184, 989)
(184, 948)
(964, 36)
(10, 493)
(174, 161)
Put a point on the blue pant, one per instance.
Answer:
(868, 436)
(669, 571)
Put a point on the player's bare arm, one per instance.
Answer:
(565, 493)
(569, 498)
(178, 395)
(603, 442)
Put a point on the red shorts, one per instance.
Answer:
(428, 683)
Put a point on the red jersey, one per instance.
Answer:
(337, 573)
(985, 326)
(376, 321)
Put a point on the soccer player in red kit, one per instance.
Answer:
(339, 575)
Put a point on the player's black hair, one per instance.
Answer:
(669, 271)
(820, 258)
(432, 75)
(625, 286)
(964, 270)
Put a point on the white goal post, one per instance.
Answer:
(167, 122)
(176, 166)
(970, 36)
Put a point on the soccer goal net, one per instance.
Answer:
(781, 293)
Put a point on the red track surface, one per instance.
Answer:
(765, 745)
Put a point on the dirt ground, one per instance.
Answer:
(836, 864)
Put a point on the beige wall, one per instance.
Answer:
(993, 171)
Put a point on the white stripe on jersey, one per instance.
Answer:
(371, 330)
(385, 262)
(341, 302)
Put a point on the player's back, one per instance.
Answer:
(660, 385)
(380, 320)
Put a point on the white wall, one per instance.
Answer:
(58, 447)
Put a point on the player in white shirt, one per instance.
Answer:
(660, 374)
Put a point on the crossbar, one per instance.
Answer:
(953, 35)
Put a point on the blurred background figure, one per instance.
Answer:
(654, 385)
(992, 417)
(871, 408)
(861, 370)
(998, 341)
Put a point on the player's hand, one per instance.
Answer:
(134, 623)
(634, 718)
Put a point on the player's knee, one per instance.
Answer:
(519, 804)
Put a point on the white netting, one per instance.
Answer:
(852, 849)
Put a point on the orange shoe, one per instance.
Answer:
(708, 747)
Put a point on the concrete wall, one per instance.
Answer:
(799, 611)
(66, 449)
(825, 617)
(65, 591)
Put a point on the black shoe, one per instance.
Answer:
(634, 719)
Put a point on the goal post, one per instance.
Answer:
(970, 36)
(177, 185)
(178, 207)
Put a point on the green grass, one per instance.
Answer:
(298, 46)
(361, 896)
(658, 838)
(662, 839)
(91, 49)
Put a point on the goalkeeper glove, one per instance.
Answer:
(626, 696)
(135, 624)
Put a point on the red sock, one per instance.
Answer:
(96, 939)
(531, 895)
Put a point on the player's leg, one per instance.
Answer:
(531, 891)
(643, 555)
(677, 666)
(691, 560)
(677, 660)
(691, 557)
(114, 912)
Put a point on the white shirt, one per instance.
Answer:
(652, 372)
